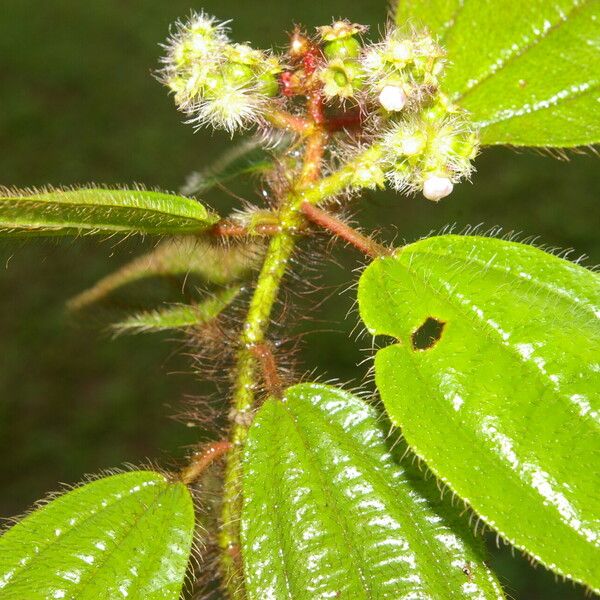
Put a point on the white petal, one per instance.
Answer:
(436, 188)
(392, 98)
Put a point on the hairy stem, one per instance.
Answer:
(309, 189)
(327, 221)
(320, 190)
(203, 459)
(253, 333)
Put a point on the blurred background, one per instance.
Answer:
(78, 103)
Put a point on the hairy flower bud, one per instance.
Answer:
(339, 40)
(216, 82)
(392, 98)
(410, 63)
(435, 188)
(430, 155)
(341, 78)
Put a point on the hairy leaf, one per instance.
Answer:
(495, 382)
(249, 157)
(179, 316)
(125, 536)
(529, 72)
(219, 265)
(329, 513)
(100, 211)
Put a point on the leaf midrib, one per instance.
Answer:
(41, 204)
(382, 485)
(346, 530)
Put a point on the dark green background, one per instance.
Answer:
(78, 103)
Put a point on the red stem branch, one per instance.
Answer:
(327, 221)
(203, 459)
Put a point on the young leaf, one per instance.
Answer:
(219, 265)
(328, 513)
(529, 72)
(179, 316)
(127, 535)
(100, 211)
(494, 381)
(249, 157)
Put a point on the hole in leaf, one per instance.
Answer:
(428, 334)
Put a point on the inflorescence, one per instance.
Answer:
(387, 94)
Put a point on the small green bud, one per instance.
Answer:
(412, 64)
(341, 79)
(237, 74)
(344, 48)
(430, 151)
(268, 85)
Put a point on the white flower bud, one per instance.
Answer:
(435, 188)
(411, 145)
(392, 98)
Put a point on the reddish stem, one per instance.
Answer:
(350, 120)
(285, 120)
(228, 229)
(326, 220)
(270, 373)
(202, 460)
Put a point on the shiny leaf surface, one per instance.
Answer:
(124, 536)
(529, 72)
(329, 513)
(179, 316)
(215, 264)
(100, 211)
(495, 382)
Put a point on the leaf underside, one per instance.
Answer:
(529, 72)
(124, 536)
(179, 316)
(248, 158)
(328, 513)
(184, 256)
(495, 382)
(100, 211)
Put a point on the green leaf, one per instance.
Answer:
(179, 316)
(529, 72)
(328, 513)
(100, 211)
(127, 535)
(248, 158)
(495, 382)
(219, 265)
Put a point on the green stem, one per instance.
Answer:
(341, 179)
(275, 265)
(253, 333)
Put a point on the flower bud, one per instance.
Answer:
(341, 79)
(421, 154)
(392, 98)
(214, 81)
(411, 63)
(435, 188)
(345, 48)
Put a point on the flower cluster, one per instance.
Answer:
(427, 143)
(430, 150)
(217, 82)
